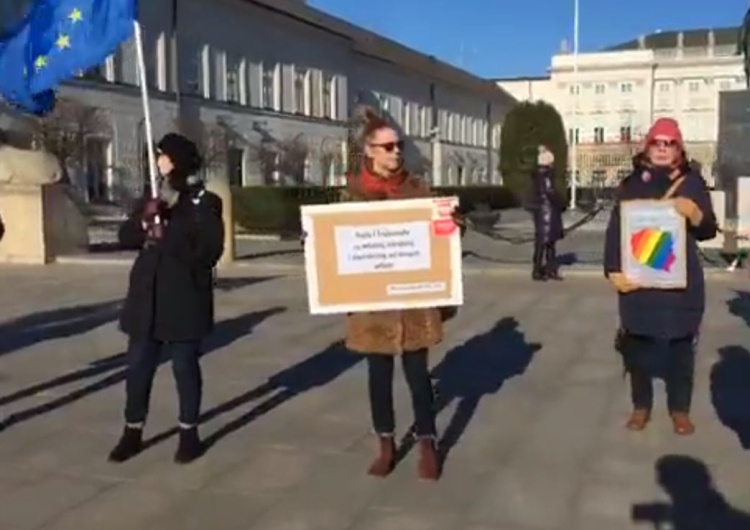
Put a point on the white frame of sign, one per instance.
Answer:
(308, 213)
(660, 214)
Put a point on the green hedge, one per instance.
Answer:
(275, 210)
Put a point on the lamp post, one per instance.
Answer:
(574, 135)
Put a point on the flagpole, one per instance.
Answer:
(574, 135)
(146, 110)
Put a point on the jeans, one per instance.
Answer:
(641, 354)
(380, 383)
(143, 358)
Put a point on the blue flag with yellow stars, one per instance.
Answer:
(71, 36)
(14, 82)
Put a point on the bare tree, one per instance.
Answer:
(212, 139)
(63, 132)
(293, 155)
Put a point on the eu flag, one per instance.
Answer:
(14, 82)
(70, 36)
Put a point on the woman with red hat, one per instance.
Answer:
(658, 323)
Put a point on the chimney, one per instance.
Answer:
(711, 42)
(642, 42)
(680, 44)
(564, 47)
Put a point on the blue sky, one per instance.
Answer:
(493, 39)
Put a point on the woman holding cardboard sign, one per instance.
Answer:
(662, 323)
(385, 335)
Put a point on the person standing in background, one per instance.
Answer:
(546, 206)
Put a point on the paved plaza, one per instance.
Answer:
(532, 394)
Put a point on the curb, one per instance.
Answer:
(500, 269)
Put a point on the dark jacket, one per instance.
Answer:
(659, 313)
(546, 206)
(170, 294)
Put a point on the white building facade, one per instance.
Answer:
(608, 99)
(275, 72)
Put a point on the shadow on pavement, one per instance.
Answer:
(54, 324)
(476, 369)
(730, 391)
(226, 332)
(695, 504)
(315, 371)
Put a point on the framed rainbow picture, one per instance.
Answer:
(653, 244)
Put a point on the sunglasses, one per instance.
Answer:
(663, 143)
(390, 146)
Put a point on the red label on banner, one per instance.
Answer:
(444, 227)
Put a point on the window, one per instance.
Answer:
(599, 135)
(302, 91)
(725, 85)
(626, 88)
(694, 86)
(235, 166)
(665, 87)
(599, 88)
(626, 134)
(329, 97)
(235, 74)
(575, 90)
(268, 92)
(573, 136)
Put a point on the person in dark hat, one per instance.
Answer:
(169, 305)
(662, 323)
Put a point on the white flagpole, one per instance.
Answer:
(146, 110)
(574, 128)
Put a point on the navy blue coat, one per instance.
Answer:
(659, 313)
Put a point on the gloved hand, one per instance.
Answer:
(621, 283)
(689, 210)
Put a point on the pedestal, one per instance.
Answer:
(733, 159)
(41, 223)
(219, 184)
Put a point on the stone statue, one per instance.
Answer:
(743, 45)
(25, 167)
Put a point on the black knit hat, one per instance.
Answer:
(183, 153)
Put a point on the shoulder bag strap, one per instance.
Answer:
(673, 189)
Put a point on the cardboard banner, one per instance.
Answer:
(653, 243)
(382, 255)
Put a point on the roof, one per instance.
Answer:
(521, 78)
(383, 49)
(691, 38)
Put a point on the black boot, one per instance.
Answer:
(190, 447)
(537, 273)
(130, 444)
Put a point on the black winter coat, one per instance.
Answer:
(659, 313)
(170, 295)
(546, 206)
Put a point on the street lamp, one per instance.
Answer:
(574, 135)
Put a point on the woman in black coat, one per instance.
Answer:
(546, 206)
(658, 323)
(169, 305)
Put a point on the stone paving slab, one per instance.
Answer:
(535, 415)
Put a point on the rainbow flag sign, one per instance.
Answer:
(653, 244)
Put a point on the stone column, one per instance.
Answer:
(218, 183)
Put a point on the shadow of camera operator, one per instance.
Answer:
(695, 502)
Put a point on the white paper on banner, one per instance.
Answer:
(394, 247)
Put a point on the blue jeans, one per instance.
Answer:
(143, 359)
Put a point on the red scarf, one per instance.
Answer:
(374, 185)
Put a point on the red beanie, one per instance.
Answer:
(668, 128)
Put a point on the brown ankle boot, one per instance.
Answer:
(428, 466)
(682, 424)
(638, 420)
(386, 459)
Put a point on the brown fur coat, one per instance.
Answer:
(392, 332)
